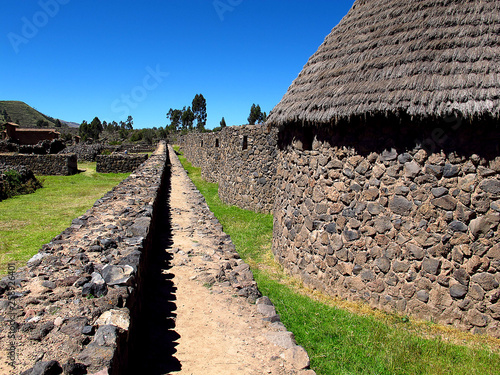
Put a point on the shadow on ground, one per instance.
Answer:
(156, 345)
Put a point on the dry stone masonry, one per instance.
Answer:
(76, 307)
(119, 163)
(411, 231)
(374, 217)
(63, 164)
(77, 299)
(241, 159)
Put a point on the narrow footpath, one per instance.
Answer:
(200, 314)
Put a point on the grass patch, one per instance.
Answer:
(29, 221)
(338, 340)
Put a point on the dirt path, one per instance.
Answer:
(199, 319)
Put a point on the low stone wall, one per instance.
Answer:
(140, 148)
(84, 151)
(241, 159)
(119, 163)
(76, 304)
(48, 165)
(411, 231)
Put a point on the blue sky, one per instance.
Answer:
(77, 59)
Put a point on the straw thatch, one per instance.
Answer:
(423, 58)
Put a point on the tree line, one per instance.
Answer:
(181, 120)
(115, 132)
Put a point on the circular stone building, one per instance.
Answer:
(388, 171)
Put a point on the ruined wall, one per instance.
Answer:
(241, 159)
(369, 215)
(79, 298)
(62, 164)
(119, 163)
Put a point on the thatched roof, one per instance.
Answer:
(424, 58)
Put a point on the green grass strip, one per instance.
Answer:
(29, 221)
(338, 341)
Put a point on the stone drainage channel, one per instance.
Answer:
(203, 313)
(146, 282)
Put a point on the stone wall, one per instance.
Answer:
(87, 152)
(61, 164)
(119, 163)
(404, 217)
(138, 148)
(78, 301)
(366, 215)
(241, 159)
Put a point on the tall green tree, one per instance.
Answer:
(129, 123)
(187, 118)
(223, 123)
(83, 130)
(256, 115)
(96, 127)
(199, 107)
(91, 131)
(174, 115)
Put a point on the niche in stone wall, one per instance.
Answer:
(216, 142)
(201, 143)
(244, 142)
(304, 140)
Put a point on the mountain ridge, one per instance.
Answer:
(28, 117)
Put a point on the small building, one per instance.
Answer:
(27, 136)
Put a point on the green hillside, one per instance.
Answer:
(23, 115)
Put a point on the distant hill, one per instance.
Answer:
(26, 116)
(71, 124)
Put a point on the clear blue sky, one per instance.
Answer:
(77, 59)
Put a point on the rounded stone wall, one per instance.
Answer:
(412, 230)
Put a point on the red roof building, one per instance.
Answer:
(27, 136)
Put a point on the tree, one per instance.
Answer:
(83, 130)
(42, 124)
(199, 106)
(96, 127)
(162, 133)
(264, 117)
(223, 123)
(91, 131)
(58, 124)
(187, 118)
(129, 123)
(256, 115)
(6, 116)
(174, 115)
